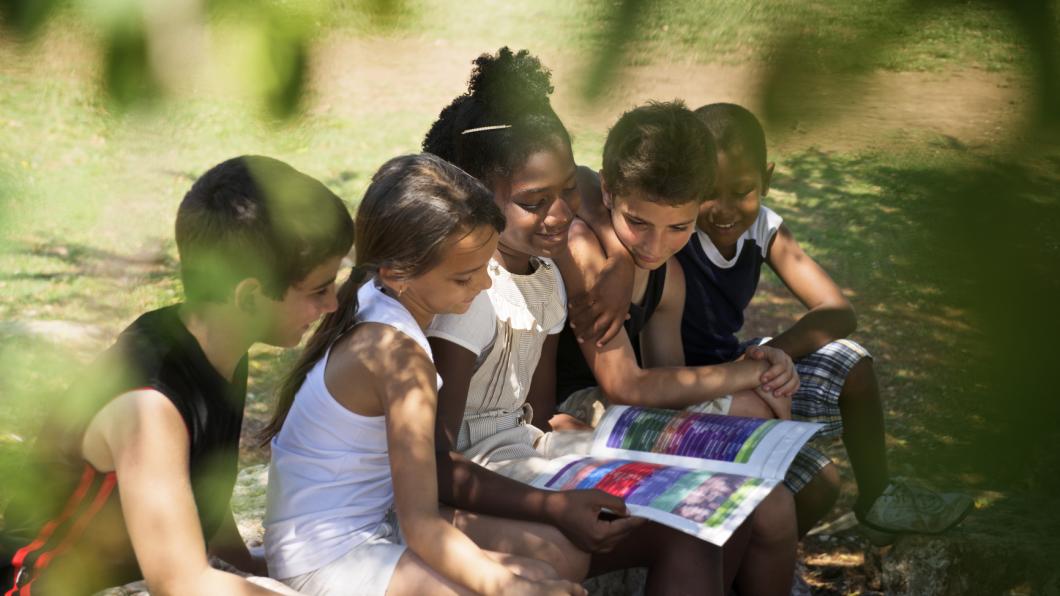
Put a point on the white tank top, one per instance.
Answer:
(329, 477)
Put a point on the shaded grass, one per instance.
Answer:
(893, 231)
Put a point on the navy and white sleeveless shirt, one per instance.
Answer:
(717, 290)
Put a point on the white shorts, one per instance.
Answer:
(365, 570)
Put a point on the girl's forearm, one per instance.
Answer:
(451, 553)
(466, 485)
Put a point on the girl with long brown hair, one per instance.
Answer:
(353, 438)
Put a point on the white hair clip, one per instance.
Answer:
(485, 128)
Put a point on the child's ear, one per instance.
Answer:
(605, 194)
(247, 294)
(391, 280)
(767, 177)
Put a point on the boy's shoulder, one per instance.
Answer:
(765, 228)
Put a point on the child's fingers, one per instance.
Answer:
(617, 530)
(610, 502)
(601, 323)
(612, 330)
(775, 375)
(780, 406)
(789, 388)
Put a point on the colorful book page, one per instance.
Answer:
(704, 504)
(688, 434)
(729, 444)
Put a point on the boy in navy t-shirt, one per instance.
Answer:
(132, 476)
(736, 234)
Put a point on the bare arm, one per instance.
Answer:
(830, 315)
(228, 545)
(542, 393)
(408, 397)
(615, 366)
(467, 485)
(142, 438)
(598, 311)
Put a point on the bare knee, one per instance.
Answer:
(570, 562)
(774, 522)
(747, 403)
(525, 539)
(817, 498)
(825, 485)
(860, 380)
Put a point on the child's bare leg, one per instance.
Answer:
(677, 563)
(734, 550)
(768, 564)
(413, 577)
(748, 404)
(817, 498)
(523, 539)
(863, 430)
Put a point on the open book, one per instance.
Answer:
(702, 474)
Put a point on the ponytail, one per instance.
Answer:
(414, 205)
(331, 328)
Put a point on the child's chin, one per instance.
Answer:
(287, 341)
(460, 308)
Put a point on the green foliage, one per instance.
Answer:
(128, 78)
(25, 17)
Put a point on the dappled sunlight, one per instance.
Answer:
(909, 165)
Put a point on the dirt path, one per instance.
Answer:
(365, 77)
(969, 107)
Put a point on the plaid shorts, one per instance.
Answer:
(822, 375)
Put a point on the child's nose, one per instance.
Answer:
(485, 282)
(560, 213)
(332, 302)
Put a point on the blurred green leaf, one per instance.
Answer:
(286, 67)
(128, 78)
(621, 21)
(26, 17)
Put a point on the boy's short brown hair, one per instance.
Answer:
(256, 217)
(663, 150)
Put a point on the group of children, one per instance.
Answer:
(501, 297)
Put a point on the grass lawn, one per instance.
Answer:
(88, 195)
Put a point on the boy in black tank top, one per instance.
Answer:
(157, 420)
(657, 162)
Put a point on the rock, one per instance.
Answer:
(626, 582)
(1008, 548)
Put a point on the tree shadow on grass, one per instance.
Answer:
(950, 260)
(910, 243)
(47, 277)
